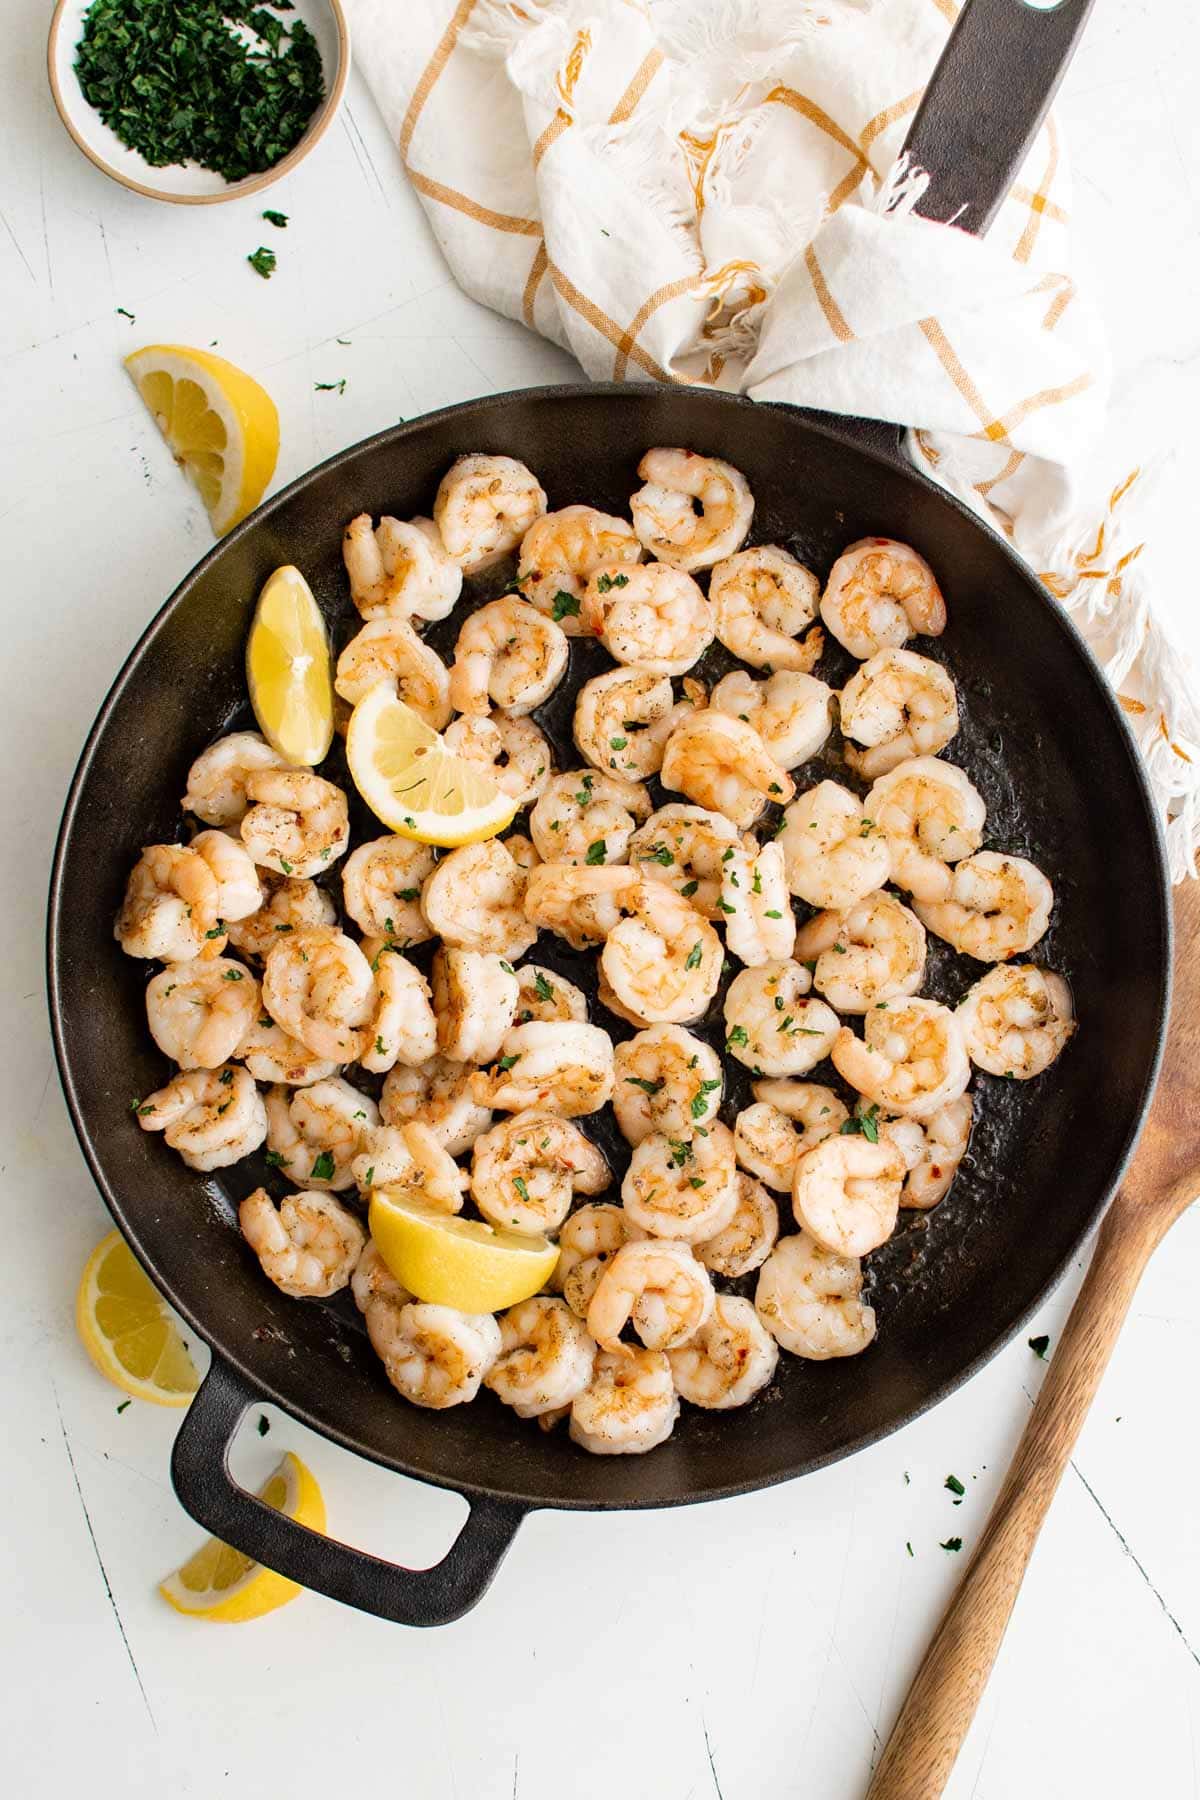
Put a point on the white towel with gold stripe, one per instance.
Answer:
(707, 191)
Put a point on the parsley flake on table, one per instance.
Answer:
(330, 387)
(126, 314)
(954, 1543)
(123, 1405)
(224, 83)
(1039, 1346)
(278, 219)
(956, 1488)
(264, 1424)
(263, 262)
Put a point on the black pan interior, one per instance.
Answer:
(1041, 738)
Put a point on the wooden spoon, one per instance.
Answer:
(1160, 1184)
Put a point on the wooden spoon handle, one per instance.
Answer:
(941, 1703)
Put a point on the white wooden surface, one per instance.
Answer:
(752, 1648)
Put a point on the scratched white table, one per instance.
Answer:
(753, 1648)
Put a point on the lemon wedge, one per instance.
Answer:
(412, 782)
(287, 669)
(457, 1262)
(221, 1583)
(127, 1329)
(221, 426)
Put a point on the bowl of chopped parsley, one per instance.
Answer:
(196, 101)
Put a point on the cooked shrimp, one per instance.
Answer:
(526, 1171)
(662, 962)
(722, 763)
(373, 1282)
(649, 616)
(765, 1136)
(399, 570)
(216, 783)
(434, 1356)
(239, 891)
(660, 1288)
(522, 851)
(170, 907)
(475, 900)
(764, 599)
(200, 1011)
(996, 906)
(666, 1080)
(559, 553)
(868, 955)
(288, 905)
(410, 1161)
(623, 719)
(810, 1301)
(318, 986)
(693, 511)
(272, 1055)
(730, 1359)
(403, 1027)
(581, 904)
(390, 650)
(685, 847)
(484, 507)
(309, 1248)
(475, 1000)
(629, 1405)
(1016, 1020)
(547, 996)
(833, 851)
(513, 751)
(911, 1060)
(567, 1068)
(879, 594)
(585, 816)
(213, 1117)
(846, 1193)
(437, 1094)
(298, 824)
(898, 705)
(773, 1024)
(749, 1237)
(591, 1236)
(546, 1358)
(932, 1149)
(760, 926)
(381, 888)
(929, 815)
(315, 1133)
(508, 655)
(791, 712)
(683, 1187)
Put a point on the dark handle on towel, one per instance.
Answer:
(201, 1477)
(987, 97)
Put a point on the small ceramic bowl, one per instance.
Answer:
(187, 184)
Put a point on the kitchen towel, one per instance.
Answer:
(710, 191)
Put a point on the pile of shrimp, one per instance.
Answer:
(349, 1016)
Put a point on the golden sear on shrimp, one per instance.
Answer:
(585, 816)
(399, 570)
(1016, 1020)
(562, 550)
(995, 906)
(879, 594)
(289, 904)
(484, 507)
(216, 783)
(315, 1133)
(298, 823)
(526, 1171)
(475, 900)
(868, 955)
(693, 510)
(897, 705)
(309, 1248)
(667, 1080)
(624, 717)
(910, 1060)
(686, 847)
(213, 1117)
(649, 616)
(683, 1188)
(390, 650)
(764, 600)
(791, 712)
(810, 1300)
(663, 961)
(722, 763)
(200, 1011)
(514, 752)
(508, 655)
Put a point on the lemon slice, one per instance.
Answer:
(127, 1329)
(221, 1583)
(222, 427)
(412, 782)
(287, 669)
(457, 1262)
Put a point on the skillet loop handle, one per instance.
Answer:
(985, 101)
(201, 1478)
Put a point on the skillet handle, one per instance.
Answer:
(201, 1478)
(985, 101)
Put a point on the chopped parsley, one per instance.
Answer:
(543, 988)
(370, 1177)
(329, 387)
(126, 314)
(232, 975)
(954, 1543)
(726, 907)
(756, 886)
(566, 606)
(507, 1062)
(285, 866)
(596, 853)
(689, 888)
(773, 914)
(605, 582)
(217, 931)
(956, 1488)
(322, 1169)
(179, 82)
(274, 1159)
(700, 1100)
(380, 1047)
(660, 855)
(617, 743)
(277, 219)
(694, 956)
(264, 1424)
(123, 1405)
(519, 1184)
(680, 1150)
(865, 1123)
(1040, 1345)
(908, 1547)
(737, 1037)
(647, 1087)
(263, 261)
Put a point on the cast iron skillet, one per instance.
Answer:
(1042, 737)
